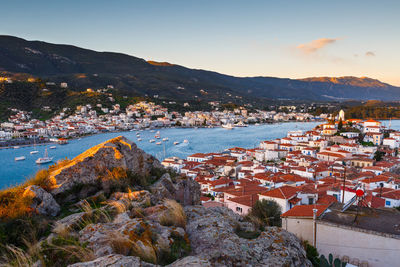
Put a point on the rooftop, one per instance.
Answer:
(385, 221)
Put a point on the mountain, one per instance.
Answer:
(83, 68)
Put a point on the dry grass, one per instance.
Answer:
(66, 250)
(119, 206)
(15, 256)
(13, 205)
(93, 216)
(123, 245)
(61, 229)
(174, 215)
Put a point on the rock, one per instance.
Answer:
(70, 221)
(94, 163)
(213, 237)
(113, 260)
(191, 261)
(42, 201)
(186, 191)
(147, 236)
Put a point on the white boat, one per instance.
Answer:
(240, 124)
(19, 158)
(53, 147)
(16, 147)
(176, 143)
(152, 140)
(228, 126)
(139, 139)
(185, 141)
(34, 147)
(45, 159)
(165, 139)
(158, 143)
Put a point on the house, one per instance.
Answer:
(392, 198)
(370, 239)
(391, 143)
(362, 162)
(285, 196)
(241, 204)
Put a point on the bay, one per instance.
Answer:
(200, 140)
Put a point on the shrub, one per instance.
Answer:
(179, 248)
(268, 211)
(312, 253)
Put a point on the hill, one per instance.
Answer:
(115, 205)
(83, 68)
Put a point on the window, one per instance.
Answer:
(336, 196)
(239, 209)
(310, 201)
(387, 203)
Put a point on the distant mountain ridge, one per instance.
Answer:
(84, 68)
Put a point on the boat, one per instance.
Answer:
(185, 141)
(240, 124)
(165, 139)
(16, 147)
(19, 158)
(176, 143)
(158, 143)
(139, 139)
(45, 159)
(152, 140)
(34, 147)
(228, 126)
(53, 147)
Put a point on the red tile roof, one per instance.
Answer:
(305, 211)
(284, 192)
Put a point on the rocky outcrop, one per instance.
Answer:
(213, 236)
(130, 226)
(185, 191)
(96, 162)
(41, 201)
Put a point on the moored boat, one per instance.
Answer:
(45, 159)
(19, 158)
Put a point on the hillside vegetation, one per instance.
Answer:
(83, 68)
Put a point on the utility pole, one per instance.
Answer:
(344, 181)
(315, 227)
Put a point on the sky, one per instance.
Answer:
(279, 38)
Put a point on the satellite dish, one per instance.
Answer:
(359, 192)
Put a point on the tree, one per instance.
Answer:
(340, 125)
(379, 155)
(267, 211)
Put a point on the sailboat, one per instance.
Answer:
(34, 151)
(45, 159)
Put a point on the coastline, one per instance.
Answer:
(154, 128)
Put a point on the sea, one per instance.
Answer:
(199, 140)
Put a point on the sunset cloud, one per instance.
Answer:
(315, 45)
(370, 54)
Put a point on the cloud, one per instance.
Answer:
(316, 45)
(370, 54)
